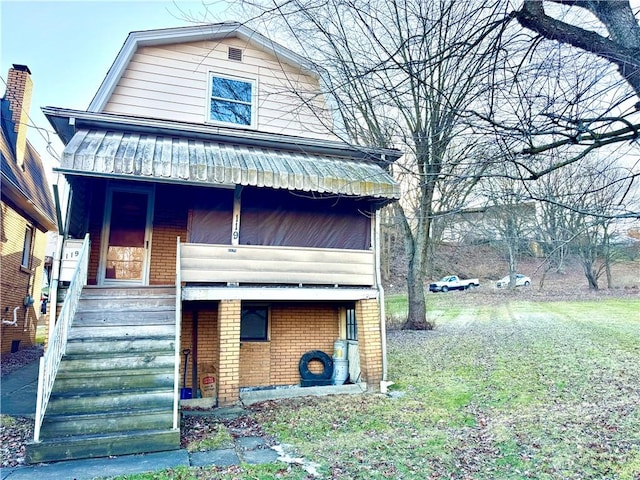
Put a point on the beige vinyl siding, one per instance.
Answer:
(171, 82)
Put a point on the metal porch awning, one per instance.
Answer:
(176, 159)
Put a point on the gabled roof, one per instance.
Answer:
(27, 187)
(216, 31)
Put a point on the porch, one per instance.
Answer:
(307, 295)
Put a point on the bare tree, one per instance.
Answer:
(589, 36)
(509, 218)
(578, 213)
(402, 73)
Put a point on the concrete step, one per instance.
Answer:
(114, 390)
(88, 446)
(126, 303)
(101, 317)
(92, 290)
(147, 378)
(105, 401)
(56, 426)
(121, 331)
(97, 363)
(119, 346)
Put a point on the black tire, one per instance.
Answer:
(471, 286)
(444, 289)
(320, 356)
(526, 284)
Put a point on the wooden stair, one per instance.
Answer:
(114, 391)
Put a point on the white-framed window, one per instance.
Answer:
(352, 325)
(231, 100)
(254, 323)
(26, 248)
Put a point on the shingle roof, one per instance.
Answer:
(167, 158)
(28, 183)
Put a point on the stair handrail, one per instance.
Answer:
(50, 361)
(176, 373)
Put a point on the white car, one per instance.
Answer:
(521, 281)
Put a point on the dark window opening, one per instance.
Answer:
(254, 323)
(352, 326)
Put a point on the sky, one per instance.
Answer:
(69, 47)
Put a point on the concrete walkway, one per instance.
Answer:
(18, 398)
(250, 450)
(18, 391)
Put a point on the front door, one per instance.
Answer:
(126, 236)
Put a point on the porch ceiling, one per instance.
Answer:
(164, 158)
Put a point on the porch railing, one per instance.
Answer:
(50, 361)
(259, 264)
(176, 373)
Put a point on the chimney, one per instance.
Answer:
(19, 89)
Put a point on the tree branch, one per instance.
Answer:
(533, 17)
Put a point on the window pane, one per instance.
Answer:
(352, 326)
(231, 89)
(223, 111)
(26, 249)
(253, 324)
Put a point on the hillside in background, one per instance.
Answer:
(488, 265)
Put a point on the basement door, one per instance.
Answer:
(126, 236)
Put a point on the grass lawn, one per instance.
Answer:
(517, 389)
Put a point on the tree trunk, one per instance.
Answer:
(592, 278)
(512, 266)
(416, 248)
(417, 316)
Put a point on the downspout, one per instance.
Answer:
(383, 326)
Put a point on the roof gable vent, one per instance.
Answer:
(235, 54)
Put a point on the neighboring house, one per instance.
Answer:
(223, 218)
(488, 223)
(27, 214)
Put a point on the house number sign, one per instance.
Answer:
(70, 254)
(235, 228)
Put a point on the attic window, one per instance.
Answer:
(231, 100)
(235, 54)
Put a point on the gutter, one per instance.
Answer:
(383, 321)
(15, 193)
(66, 122)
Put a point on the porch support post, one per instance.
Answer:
(369, 342)
(229, 352)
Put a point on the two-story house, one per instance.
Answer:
(27, 214)
(225, 229)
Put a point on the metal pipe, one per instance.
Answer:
(15, 318)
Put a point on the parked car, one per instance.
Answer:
(521, 281)
(452, 282)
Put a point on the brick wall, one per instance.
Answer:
(18, 282)
(207, 338)
(229, 353)
(369, 342)
(255, 364)
(19, 92)
(296, 329)
(169, 223)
